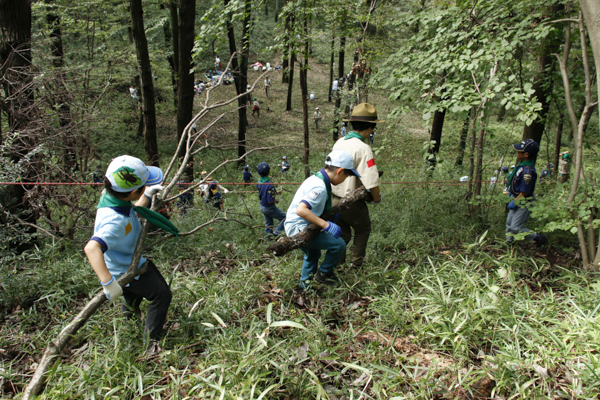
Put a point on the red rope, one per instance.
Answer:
(448, 183)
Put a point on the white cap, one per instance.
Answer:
(341, 159)
(127, 173)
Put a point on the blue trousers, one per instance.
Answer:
(271, 213)
(515, 223)
(312, 252)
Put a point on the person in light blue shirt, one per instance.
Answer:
(116, 232)
(311, 200)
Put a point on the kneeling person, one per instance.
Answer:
(116, 232)
(311, 200)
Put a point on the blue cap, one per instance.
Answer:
(246, 168)
(263, 168)
(504, 169)
(527, 146)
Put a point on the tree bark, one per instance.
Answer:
(289, 243)
(304, 91)
(147, 89)
(462, 144)
(15, 64)
(561, 120)
(285, 63)
(185, 91)
(332, 60)
(591, 14)
(341, 55)
(175, 28)
(288, 105)
(436, 135)
(242, 112)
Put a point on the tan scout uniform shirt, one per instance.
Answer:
(365, 165)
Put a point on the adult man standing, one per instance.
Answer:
(364, 121)
(267, 86)
(318, 116)
(334, 88)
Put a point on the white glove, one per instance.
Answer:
(225, 190)
(152, 190)
(112, 290)
(376, 202)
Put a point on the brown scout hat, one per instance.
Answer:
(364, 112)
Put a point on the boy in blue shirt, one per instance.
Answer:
(246, 175)
(521, 185)
(285, 165)
(310, 201)
(116, 232)
(268, 199)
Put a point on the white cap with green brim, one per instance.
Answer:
(127, 173)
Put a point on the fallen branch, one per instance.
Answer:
(287, 244)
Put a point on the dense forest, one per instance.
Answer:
(445, 306)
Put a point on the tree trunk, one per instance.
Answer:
(288, 105)
(61, 95)
(463, 139)
(472, 159)
(243, 121)
(276, 10)
(542, 83)
(240, 79)
(185, 91)
(304, 91)
(143, 59)
(591, 14)
(285, 63)
(289, 243)
(15, 64)
(561, 120)
(436, 135)
(175, 28)
(341, 56)
(479, 166)
(501, 113)
(332, 60)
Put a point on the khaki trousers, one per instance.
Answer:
(357, 218)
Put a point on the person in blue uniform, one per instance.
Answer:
(285, 165)
(214, 196)
(521, 186)
(246, 175)
(268, 201)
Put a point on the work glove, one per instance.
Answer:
(334, 230)
(152, 190)
(511, 205)
(335, 218)
(225, 190)
(377, 202)
(112, 290)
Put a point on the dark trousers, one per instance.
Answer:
(152, 287)
(357, 218)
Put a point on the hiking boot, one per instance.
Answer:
(326, 279)
(153, 348)
(542, 242)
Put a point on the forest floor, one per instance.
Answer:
(443, 309)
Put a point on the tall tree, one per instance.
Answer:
(304, 91)
(15, 61)
(185, 90)
(591, 14)
(147, 84)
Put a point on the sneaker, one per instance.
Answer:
(326, 279)
(153, 348)
(542, 243)
(304, 285)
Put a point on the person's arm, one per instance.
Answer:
(376, 194)
(304, 212)
(93, 251)
(144, 201)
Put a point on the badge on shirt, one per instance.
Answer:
(128, 228)
(371, 163)
(527, 178)
(313, 195)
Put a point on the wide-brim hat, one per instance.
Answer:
(127, 173)
(364, 112)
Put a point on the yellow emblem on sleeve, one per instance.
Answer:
(128, 228)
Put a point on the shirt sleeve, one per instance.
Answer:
(314, 197)
(369, 175)
(271, 193)
(111, 234)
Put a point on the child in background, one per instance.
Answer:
(268, 199)
(506, 174)
(256, 108)
(214, 196)
(97, 175)
(521, 185)
(246, 175)
(311, 200)
(185, 201)
(116, 232)
(343, 129)
(285, 165)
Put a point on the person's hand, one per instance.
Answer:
(112, 290)
(335, 218)
(225, 190)
(376, 202)
(333, 229)
(152, 190)
(511, 205)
